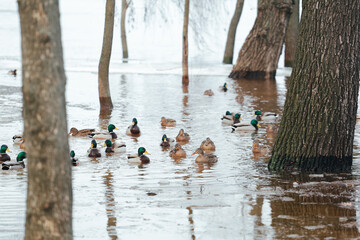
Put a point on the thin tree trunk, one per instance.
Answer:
(230, 42)
(259, 56)
(124, 7)
(317, 129)
(104, 88)
(291, 36)
(49, 194)
(185, 66)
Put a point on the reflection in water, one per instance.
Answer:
(110, 205)
(104, 118)
(191, 222)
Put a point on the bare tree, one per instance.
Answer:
(292, 35)
(124, 6)
(185, 55)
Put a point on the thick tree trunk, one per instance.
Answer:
(124, 7)
(49, 194)
(259, 56)
(185, 56)
(104, 88)
(317, 129)
(230, 42)
(291, 36)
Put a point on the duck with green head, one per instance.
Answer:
(133, 129)
(224, 87)
(74, 160)
(19, 164)
(228, 118)
(114, 147)
(166, 142)
(140, 157)
(253, 126)
(110, 134)
(93, 151)
(268, 116)
(3, 155)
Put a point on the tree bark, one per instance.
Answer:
(259, 56)
(230, 42)
(292, 35)
(124, 7)
(317, 129)
(49, 194)
(104, 88)
(185, 56)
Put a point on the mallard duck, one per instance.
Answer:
(182, 136)
(177, 152)
(228, 118)
(18, 139)
(265, 116)
(207, 145)
(19, 164)
(223, 87)
(133, 129)
(140, 157)
(257, 148)
(93, 151)
(166, 142)
(114, 147)
(82, 132)
(209, 92)
(74, 160)
(167, 122)
(3, 155)
(13, 72)
(254, 125)
(204, 158)
(110, 134)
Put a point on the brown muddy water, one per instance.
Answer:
(236, 198)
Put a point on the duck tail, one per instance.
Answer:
(5, 167)
(91, 135)
(233, 129)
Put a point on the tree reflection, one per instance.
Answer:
(110, 205)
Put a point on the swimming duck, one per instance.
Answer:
(111, 134)
(167, 122)
(13, 72)
(133, 129)
(207, 145)
(116, 146)
(223, 87)
(265, 116)
(18, 139)
(93, 151)
(74, 160)
(182, 136)
(3, 155)
(257, 148)
(254, 125)
(228, 118)
(177, 152)
(82, 132)
(19, 164)
(204, 158)
(140, 157)
(209, 92)
(166, 142)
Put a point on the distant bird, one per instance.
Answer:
(167, 122)
(209, 92)
(93, 151)
(19, 164)
(110, 134)
(268, 116)
(253, 126)
(140, 157)
(74, 160)
(177, 152)
(114, 147)
(13, 72)
(133, 129)
(82, 132)
(166, 142)
(223, 88)
(207, 145)
(3, 155)
(182, 136)
(204, 158)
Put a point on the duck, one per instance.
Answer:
(133, 129)
(209, 92)
(82, 132)
(182, 136)
(253, 126)
(204, 157)
(228, 118)
(114, 147)
(237, 119)
(265, 116)
(167, 122)
(110, 134)
(74, 160)
(223, 87)
(177, 152)
(3, 155)
(166, 142)
(18, 139)
(207, 145)
(140, 157)
(13, 72)
(93, 151)
(257, 148)
(19, 164)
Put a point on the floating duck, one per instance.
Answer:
(74, 160)
(140, 157)
(254, 125)
(177, 152)
(204, 157)
(110, 134)
(114, 147)
(18, 139)
(209, 92)
(167, 122)
(133, 130)
(223, 87)
(228, 118)
(182, 136)
(82, 132)
(257, 148)
(265, 116)
(3, 155)
(207, 145)
(166, 142)
(19, 164)
(93, 151)
(13, 72)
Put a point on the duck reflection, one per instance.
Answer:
(110, 205)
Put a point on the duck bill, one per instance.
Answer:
(104, 144)
(8, 150)
(241, 119)
(147, 152)
(258, 125)
(116, 128)
(133, 123)
(165, 140)
(92, 145)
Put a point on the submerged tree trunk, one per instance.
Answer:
(259, 56)
(292, 35)
(124, 7)
(104, 88)
(317, 129)
(185, 56)
(230, 42)
(49, 194)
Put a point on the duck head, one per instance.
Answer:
(198, 151)
(255, 123)
(111, 127)
(4, 148)
(21, 156)
(93, 144)
(164, 138)
(108, 143)
(238, 116)
(141, 151)
(134, 122)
